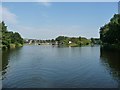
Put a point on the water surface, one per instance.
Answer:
(60, 67)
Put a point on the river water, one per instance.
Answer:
(60, 67)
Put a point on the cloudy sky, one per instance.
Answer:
(43, 20)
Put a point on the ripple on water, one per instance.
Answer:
(56, 67)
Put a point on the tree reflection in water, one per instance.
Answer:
(111, 60)
(6, 58)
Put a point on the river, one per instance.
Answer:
(60, 67)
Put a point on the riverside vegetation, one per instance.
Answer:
(73, 41)
(9, 39)
(110, 33)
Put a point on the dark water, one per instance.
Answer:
(59, 67)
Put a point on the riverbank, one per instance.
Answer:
(111, 46)
(11, 46)
(75, 45)
(63, 45)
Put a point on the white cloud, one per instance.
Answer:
(7, 16)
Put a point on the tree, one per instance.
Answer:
(16, 38)
(110, 33)
(9, 37)
(4, 27)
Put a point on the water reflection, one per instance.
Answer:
(6, 54)
(111, 60)
(0, 60)
(47, 66)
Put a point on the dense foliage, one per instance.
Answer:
(9, 38)
(110, 33)
(72, 41)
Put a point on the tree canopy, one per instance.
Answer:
(110, 33)
(9, 37)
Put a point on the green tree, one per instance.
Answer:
(110, 33)
(9, 37)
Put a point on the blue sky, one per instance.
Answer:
(48, 20)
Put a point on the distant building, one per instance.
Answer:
(69, 42)
(30, 41)
(56, 42)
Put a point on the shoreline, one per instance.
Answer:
(11, 46)
(111, 46)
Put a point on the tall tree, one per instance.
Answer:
(9, 37)
(110, 33)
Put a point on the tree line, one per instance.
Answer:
(72, 41)
(9, 39)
